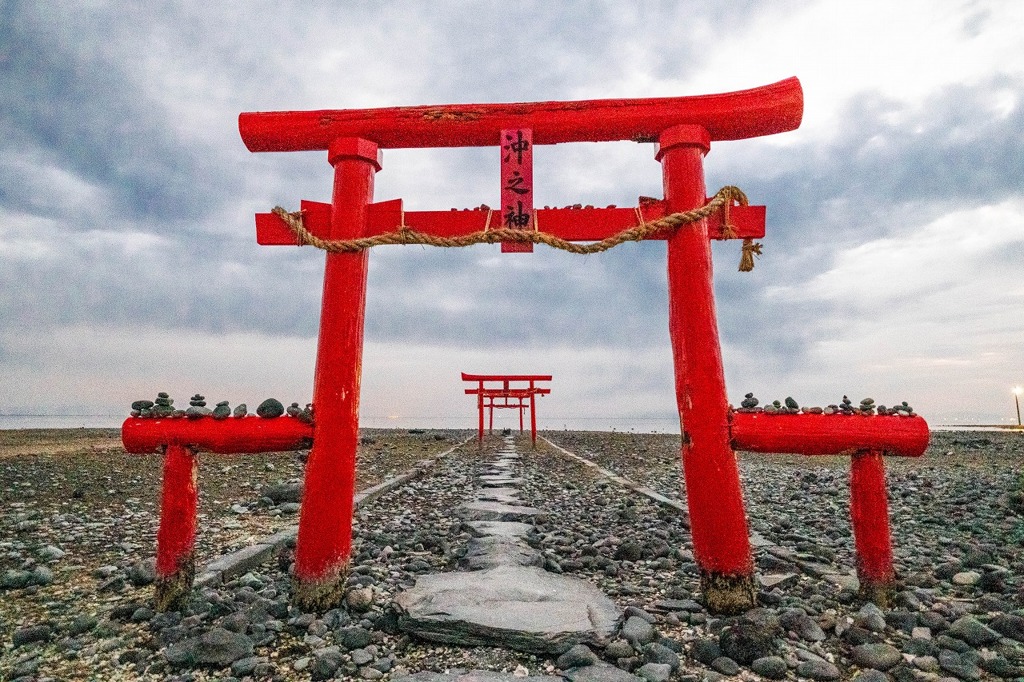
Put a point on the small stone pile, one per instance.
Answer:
(867, 407)
(163, 407)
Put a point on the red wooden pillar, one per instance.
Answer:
(175, 540)
(490, 428)
(520, 415)
(869, 514)
(480, 417)
(717, 519)
(533, 419)
(325, 525)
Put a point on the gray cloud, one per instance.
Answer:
(126, 196)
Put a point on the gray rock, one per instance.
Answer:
(602, 672)
(361, 656)
(15, 579)
(872, 676)
(970, 630)
(523, 608)
(42, 575)
(270, 408)
(805, 627)
(51, 553)
(746, 641)
(818, 669)
(355, 637)
(877, 656)
(82, 624)
(325, 664)
(143, 572)
(619, 648)
(216, 648)
(576, 657)
(246, 666)
(659, 653)
(958, 665)
(1009, 625)
(725, 665)
(688, 605)
(966, 578)
(639, 613)
(240, 410)
(359, 599)
(637, 631)
(870, 617)
(654, 672)
(901, 620)
(706, 650)
(771, 667)
(629, 551)
(32, 633)
(283, 492)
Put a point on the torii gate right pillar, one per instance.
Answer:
(718, 524)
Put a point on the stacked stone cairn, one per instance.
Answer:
(163, 407)
(867, 407)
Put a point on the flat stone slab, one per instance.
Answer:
(501, 529)
(499, 481)
(497, 511)
(504, 495)
(602, 672)
(474, 676)
(522, 608)
(492, 552)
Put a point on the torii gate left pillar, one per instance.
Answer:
(325, 536)
(718, 522)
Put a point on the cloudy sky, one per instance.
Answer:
(893, 266)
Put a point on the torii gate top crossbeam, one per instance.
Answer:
(738, 115)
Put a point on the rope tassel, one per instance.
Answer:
(750, 249)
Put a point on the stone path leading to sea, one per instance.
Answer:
(506, 597)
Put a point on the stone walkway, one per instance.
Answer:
(505, 597)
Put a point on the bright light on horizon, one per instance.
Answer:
(1018, 390)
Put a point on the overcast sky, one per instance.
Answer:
(128, 260)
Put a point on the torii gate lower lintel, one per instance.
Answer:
(507, 389)
(684, 129)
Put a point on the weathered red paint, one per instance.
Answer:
(226, 436)
(571, 224)
(765, 110)
(717, 519)
(325, 525)
(829, 434)
(179, 498)
(869, 514)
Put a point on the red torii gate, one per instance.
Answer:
(683, 128)
(487, 395)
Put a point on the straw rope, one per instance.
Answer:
(722, 200)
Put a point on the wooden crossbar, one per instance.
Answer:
(742, 114)
(572, 224)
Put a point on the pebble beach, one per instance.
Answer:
(78, 518)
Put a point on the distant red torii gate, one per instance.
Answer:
(683, 128)
(487, 395)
